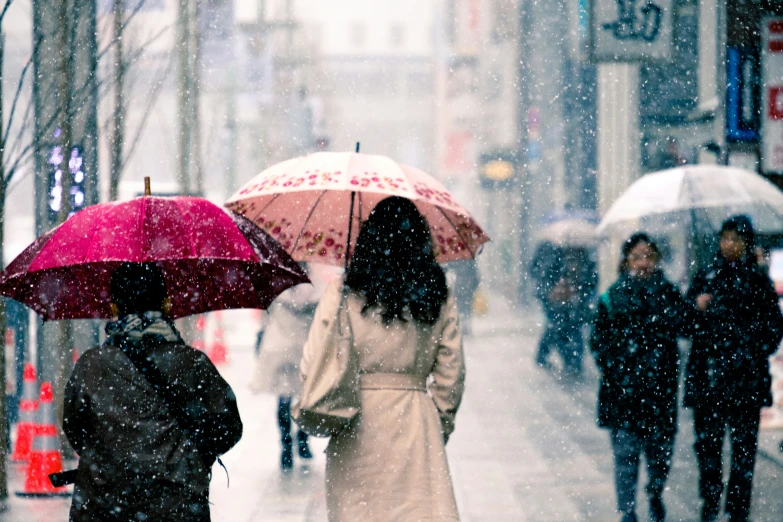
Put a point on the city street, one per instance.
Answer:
(526, 446)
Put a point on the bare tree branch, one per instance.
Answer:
(5, 10)
(152, 98)
(18, 92)
(127, 21)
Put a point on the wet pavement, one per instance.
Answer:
(526, 446)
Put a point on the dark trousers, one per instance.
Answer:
(628, 448)
(743, 426)
(284, 423)
(563, 332)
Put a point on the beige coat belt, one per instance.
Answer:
(393, 381)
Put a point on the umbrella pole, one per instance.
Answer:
(350, 228)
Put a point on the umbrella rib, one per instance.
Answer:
(304, 224)
(467, 245)
(92, 239)
(258, 214)
(142, 216)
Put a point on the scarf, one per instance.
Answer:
(130, 330)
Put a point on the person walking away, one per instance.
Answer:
(566, 279)
(147, 439)
(738, 326)
(277, 365)
(390, 464)
(466, 282)
(634, 342)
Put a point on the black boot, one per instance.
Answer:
(657, 509)
(304, 449)
(284, 422)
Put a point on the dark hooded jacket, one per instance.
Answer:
(733, 339)
(136, 462)
(634, 341)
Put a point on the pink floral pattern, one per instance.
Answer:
(321, 246)
(455, 234)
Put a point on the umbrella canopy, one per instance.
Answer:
(569, 233)
(716, 190)
(211, 260)
(312, 204)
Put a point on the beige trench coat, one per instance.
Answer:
(391, 464)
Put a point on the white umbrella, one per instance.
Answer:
(717, 190)
(569, 232)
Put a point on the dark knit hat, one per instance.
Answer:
(138, 287)
(742, 225)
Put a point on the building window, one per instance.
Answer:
(358, 34)
(397, 35)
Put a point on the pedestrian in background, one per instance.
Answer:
(277, 364)
(565, 280)
(464, 281)
(147, 414)
(738, 326)
(634, 341)
(390, 464)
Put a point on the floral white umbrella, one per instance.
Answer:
(314, 205)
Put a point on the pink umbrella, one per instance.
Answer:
(312, 204)
(211, 260)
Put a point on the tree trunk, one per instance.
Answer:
(3, 403)
(65, 91)
(118, 123)
(184, 134)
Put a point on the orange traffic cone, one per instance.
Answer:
(25, 426)
(219, 353)
(45, 458)
(201, 325)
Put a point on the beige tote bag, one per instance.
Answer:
(330, 396)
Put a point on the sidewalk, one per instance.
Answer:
(526, 447)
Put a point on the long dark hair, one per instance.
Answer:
(394, 266)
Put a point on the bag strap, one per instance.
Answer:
(162, 386)
(343, 306)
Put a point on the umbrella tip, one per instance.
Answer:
(357, 146)
(147, 189)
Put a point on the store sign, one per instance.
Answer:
(772, 96)
(631, 30)
(742, 94)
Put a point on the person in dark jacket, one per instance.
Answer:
(738, 326)
(634, 341)
(146, 451)
(565, 279)
(465, 284)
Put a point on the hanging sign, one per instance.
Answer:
(772, 95)
(632, 30)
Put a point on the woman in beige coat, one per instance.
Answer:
(391, 463)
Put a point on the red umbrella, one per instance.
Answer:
(212, 260)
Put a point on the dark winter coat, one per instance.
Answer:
(733, 339)
(134, 457)
(634, 342)
(549, 270)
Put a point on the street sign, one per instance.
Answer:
(772, 95)
(631, 30)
